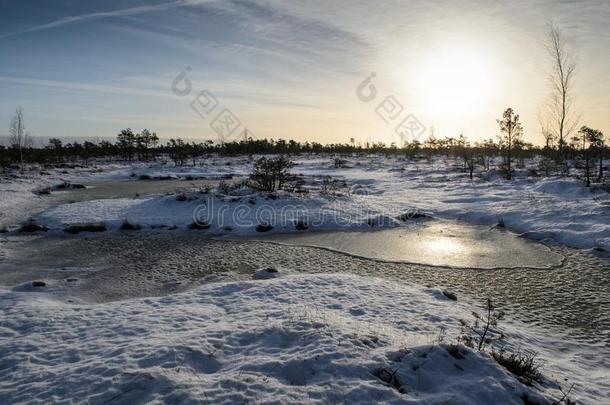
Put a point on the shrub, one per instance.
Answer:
(507, 173)
(301, 225)
(32, 226)
(199, 225)
(65, 186)
(91, 227)
(330, 185)
(128, 226)
(548, 166)
(264, 227)
(522, 364)
(532, 173)
(480, 331)
(340, 163)
(389, 377)
(44, 191)
(409, 215)
(455, 352)
(271, 174)
(224, 188)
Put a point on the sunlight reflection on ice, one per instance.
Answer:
(439, 243)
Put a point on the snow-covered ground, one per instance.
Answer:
(378, 191)
(289, 339)
(295, 338)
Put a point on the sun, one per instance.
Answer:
(454, 81)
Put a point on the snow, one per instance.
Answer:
(290, 339)
(379, 190)
(286, 337)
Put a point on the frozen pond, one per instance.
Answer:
(436, 243)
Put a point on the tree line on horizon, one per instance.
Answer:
(146, 146)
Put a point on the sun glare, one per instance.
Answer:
(454, 81)
(442, 246)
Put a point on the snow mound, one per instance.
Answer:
(563, 188)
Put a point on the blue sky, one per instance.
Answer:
(291, 69)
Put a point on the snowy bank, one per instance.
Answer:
(292, 339)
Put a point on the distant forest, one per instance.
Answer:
(587, 150)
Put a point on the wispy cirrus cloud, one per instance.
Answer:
(102, 14)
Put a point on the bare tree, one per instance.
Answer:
(19, 139)
(560, 117)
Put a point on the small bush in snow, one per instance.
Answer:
(522, 364)
(301, 225)
(506, 171)
(92, 227)
(271, 174)
(481, 330)
(330, 185)
(409, 215)
(264, 227)
(223, 188)
(340, 163)
(44, 191)
(65, 186)
(455, 351)
(205, 189)
(128, 226)
(389, 377)
(32, 226)
(199, 225)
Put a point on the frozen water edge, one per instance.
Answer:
(293, 339)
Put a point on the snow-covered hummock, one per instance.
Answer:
(380, 189)
(289, 339)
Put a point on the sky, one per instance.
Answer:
(294, 69)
